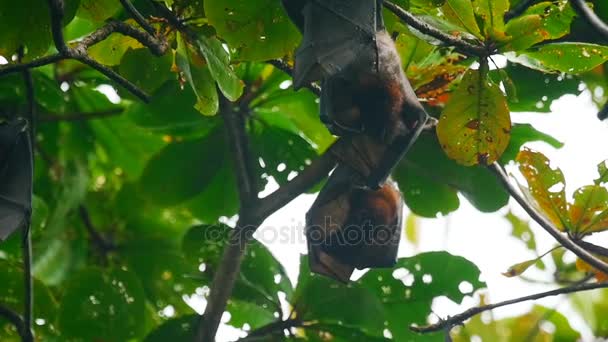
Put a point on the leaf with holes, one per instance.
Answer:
(589, 210)
(546, 187)
(571, 58)
(102, 305)
(475, 125)
(521, 230)
(257, 30)
(407, 291)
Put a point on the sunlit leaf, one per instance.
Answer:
(218, 61)
(522, 134)
(257, 30)
(460, 12)
(110, 51)
(572, 58)
(546, 187)
(589, 211)
(491, 13)
(475, 125)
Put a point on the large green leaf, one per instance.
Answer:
(407, 291)
(12, 294)
(177, 329)
(460, 12)
(261, 278)
(475, 125)
(491, 13)
(257, 30)
(171, 113)
(429, 181)
(522, 134)
(572, 58)
(146, 71)
(102, 305)
(26, 24)
(98, 10)
(182, 170)
(111, 50)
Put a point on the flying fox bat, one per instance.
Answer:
(364, 88)
(349, 227)
(16, 175)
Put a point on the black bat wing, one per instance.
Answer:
(16, 175)
(337, 33)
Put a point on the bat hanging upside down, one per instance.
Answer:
(368, 101)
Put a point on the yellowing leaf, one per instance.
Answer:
(589, 212)
(546, 187)
(585, 267)
(492, 13)
(519, 268)
(475, 125)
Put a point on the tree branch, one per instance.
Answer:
(519, 9)
(99, 240)
(15, 320)
(460, 44)
(594, 21)
(28, 300)
(157, 46)
(138, 17)
(38, 62)
(461, 317)
(545, 224)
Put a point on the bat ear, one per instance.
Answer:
(16, 174)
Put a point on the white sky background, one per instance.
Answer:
(482, 238)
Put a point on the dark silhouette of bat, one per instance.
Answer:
(366, 99)
(16, 175)
(364, 88)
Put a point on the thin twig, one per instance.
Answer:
(545, 224)
(138, 17)
(461, 317)
(584, 11)
(519, 9)
(102, 114)
(38, 62)
(99, 240)
(15, 320)
(157, 46)
(460, 44)
(28, 300)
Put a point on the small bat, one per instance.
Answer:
(16, 176)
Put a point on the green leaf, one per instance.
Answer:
(536, 90)
(602, 170)
(521, 230)
(522, 134)
(546, 187)
(182, 170)
(163, 271)
(218, 61)
(540, 22)
(26, 24)
(592, 305)
(589, 211)
(275, 140)
(430, 181)
(408, 289)
(519, 268)
(97, 10)
(145, 70)
(460, 12)
(171, 113)
(12, 293)
(260, 280)
(199, 77)
(572, 58)
(102, 305)
(111, 50)
(258, 30)
(178, 329)
(475, 124)
(491, 13)
(327, 302)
